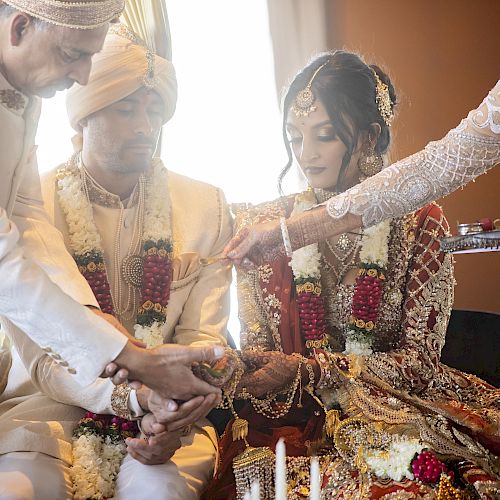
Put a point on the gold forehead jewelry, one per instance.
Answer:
(383, 99)
(150, 81)
(75, 15)
(303, 103)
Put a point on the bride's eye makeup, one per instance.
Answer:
(326, 134)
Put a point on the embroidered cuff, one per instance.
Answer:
(120, 401)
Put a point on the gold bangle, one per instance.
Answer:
(119, 401)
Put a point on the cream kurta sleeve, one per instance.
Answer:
(442, 167)
(53, 380)
(51, 318)
(206, 311)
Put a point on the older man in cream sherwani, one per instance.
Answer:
(45, 46)
(112, 196)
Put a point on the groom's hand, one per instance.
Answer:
(167, 369)
(186, 414)
(154, 448)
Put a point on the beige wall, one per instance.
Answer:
(443, 56)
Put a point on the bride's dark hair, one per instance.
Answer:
(346, 87)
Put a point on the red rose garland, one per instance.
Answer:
(311, 313)
(368, 287)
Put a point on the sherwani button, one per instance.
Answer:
(72, 371)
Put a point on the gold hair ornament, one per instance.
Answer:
(383, 99)
(75, 15)
(303, 103)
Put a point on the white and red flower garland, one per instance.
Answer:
(368, 289)
(406, 458)
(86, 246)
(98, 447)
(98, 451)
(305, 263)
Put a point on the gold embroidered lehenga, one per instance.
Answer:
(401, 389)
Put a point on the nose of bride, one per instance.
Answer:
(307, 157)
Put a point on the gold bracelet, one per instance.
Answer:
(119, 401)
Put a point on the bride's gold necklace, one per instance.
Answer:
(344, 250)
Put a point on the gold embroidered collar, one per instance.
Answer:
(100, 196)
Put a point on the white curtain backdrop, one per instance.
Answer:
(298, 32)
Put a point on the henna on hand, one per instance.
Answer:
(274, 372)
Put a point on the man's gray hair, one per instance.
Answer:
(7, 10)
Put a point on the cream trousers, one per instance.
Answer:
(36, 476)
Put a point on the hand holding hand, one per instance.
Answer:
(167, 369)
(186, 414)
(220, 372)
(154, 449)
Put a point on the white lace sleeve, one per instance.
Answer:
(443, 166)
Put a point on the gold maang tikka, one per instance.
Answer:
(303, 103)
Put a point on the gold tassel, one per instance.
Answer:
(240, 429)
(255, 464)
(332, 421)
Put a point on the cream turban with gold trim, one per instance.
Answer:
(121, 68)
(77, 15)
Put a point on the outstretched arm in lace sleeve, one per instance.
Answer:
(466, 152)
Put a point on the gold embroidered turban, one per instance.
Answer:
(123, 66)
(76, 15)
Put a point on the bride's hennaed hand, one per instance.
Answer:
(258, 244)
(271, 371)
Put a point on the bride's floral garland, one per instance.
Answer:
(98, 446)
(305, 263)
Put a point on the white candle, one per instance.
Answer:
(280, 482)
(255, 491)
(315, 484)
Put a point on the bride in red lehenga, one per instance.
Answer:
(342, 341)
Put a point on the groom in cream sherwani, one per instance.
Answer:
(118, 117)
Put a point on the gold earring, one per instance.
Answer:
(370, 162)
